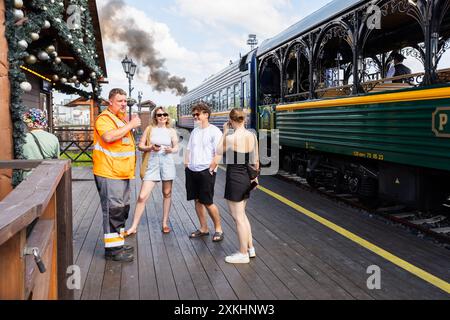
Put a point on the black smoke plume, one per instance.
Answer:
(140, 45)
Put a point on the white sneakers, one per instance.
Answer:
(240, 257)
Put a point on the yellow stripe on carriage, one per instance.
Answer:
(415, 95)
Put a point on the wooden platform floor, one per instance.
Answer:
(297, 258)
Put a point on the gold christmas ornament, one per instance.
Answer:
(31, 59)
(18, 4)
(34, 36)
(50, 49)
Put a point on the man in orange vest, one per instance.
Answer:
(114, 160)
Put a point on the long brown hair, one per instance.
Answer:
(154, 121)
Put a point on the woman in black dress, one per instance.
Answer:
(241, 148)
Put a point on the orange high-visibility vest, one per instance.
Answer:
(115, 160)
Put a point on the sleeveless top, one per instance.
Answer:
(162, 137)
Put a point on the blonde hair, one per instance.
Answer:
(154, 121)
(237, 115)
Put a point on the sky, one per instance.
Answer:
(198, 38)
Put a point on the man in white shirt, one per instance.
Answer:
(201, 170)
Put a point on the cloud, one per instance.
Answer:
(233, 20)
(190, 64)
(264, 17)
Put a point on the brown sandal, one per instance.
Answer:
(217, 237)
(165, 230)
(197, 234)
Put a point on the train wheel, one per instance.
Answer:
(301, 171)
(287, 164)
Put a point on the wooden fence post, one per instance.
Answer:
(64, 228)
(12, 268)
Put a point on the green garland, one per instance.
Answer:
(81, 43)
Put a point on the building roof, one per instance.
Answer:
(81, 101)
(98, 35)
(324, 14)
(148, 104)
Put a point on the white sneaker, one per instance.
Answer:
(238, 258)
(251, 252)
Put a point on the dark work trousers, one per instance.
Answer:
(115, 201)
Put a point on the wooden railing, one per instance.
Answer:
(37, 214)
(75, 142)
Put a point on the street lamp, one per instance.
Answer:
(129, 67)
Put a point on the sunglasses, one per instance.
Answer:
(194, 115)
(159, 115)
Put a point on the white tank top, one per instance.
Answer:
(161, 136)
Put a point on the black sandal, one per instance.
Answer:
(197, 234)
(218, 235)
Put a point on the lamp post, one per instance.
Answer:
(252, 41)
(129, 67)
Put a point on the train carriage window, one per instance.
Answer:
(211, 102)
(216, 99)
(237, 95)
(224, 104)
(291, 72)
(245, 95)
(270, 81)
(443, 59)
(392, 58)
(296, 86)
(230, 94)
(334, 63)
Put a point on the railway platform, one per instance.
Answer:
(308, 247)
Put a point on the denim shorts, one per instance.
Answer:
(161, 167)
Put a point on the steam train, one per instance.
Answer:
(345, 121)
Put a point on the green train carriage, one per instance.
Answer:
(372, 135)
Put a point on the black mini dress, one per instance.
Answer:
(237, 184)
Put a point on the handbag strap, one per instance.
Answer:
(147, 143)
(38, 145)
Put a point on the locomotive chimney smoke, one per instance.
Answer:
(140, 45)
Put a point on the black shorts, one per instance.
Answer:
(200, 186)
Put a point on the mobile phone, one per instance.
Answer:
(157, 145)
(253, 185)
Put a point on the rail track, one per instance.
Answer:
(434, 225)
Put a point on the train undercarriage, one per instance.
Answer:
(373, 182)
